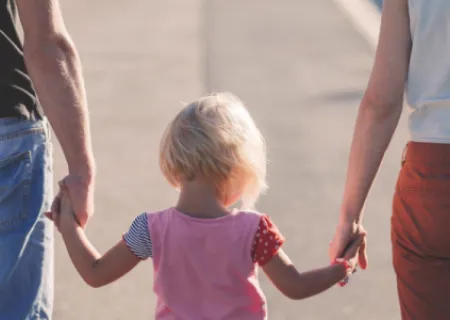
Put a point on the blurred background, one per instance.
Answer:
(378, 3)
(300, 66)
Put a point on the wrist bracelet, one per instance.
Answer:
(348, 270)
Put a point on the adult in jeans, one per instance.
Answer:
(47, 66)
(413, 49)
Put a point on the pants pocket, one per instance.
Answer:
(15, 179)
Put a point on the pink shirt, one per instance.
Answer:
(203, 269)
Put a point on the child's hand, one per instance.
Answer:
(351, 255)
(61, 211)
(66, 209)
(54, 213)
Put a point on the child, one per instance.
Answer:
(205, 255)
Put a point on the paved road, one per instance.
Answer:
(300, 67)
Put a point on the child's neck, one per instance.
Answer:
(198, 199)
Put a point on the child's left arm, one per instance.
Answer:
(300, 285)
(95, 269)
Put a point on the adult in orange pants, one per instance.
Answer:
(412, 56)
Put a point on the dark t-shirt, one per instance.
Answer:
(17, 95)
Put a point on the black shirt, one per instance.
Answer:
(17, 95)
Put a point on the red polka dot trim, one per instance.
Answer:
(268, 241)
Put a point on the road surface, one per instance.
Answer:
(301, 68)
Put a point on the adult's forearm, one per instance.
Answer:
(55, 70)
(374, 129)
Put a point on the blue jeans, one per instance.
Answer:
(26, 236)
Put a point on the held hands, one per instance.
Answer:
(350, 256)
(80, 190)
(81, 193)
(345, 235)
(62, 212)
(352, 252)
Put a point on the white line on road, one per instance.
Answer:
(365, 16)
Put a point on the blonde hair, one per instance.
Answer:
(215, 139)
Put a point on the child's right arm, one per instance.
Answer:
(96, 270)
(296, 285)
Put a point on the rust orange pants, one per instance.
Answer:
(420, 231)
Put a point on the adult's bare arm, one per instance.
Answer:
(377, 119)
(54, 67)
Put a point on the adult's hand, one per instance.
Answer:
(81, 194)
(345, 234)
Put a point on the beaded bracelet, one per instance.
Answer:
(348, 269)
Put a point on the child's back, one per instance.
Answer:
(204, 266)
(205, 256)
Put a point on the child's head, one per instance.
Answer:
(214, 139)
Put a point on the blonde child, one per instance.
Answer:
(205, 255)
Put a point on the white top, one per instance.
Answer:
(428, 84)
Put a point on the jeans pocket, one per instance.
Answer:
(15, 179)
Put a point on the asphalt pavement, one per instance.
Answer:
(301, 68)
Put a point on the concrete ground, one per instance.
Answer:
(301, 68)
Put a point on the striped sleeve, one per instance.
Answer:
(138, 238)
